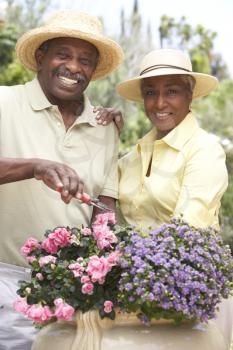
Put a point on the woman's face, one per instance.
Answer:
(166, 100)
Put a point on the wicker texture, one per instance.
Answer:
(74, 24)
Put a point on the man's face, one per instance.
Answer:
(65, 68)
(166, 101)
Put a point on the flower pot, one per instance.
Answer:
(89, 332)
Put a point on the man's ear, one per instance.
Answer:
(39, 54)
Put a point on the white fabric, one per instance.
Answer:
(224, 319)
(125, 334)
(30, 127)
(16, 331)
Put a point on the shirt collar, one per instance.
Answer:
(36, 96)
(147, 142)
(176, 138)
(39, 101)
(87, 116)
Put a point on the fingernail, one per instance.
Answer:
(59, 188)
(104, 122)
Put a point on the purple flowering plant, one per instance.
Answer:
(174, 272)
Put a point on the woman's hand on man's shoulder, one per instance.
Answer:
(105, 116)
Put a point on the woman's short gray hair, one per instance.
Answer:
(189, 81)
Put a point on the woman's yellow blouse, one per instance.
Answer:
(188, 176)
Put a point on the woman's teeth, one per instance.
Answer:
(162, 116)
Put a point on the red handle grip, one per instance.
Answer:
(85, 198)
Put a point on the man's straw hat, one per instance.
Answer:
(74, 24)
(166, 62)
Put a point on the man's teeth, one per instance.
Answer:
(68, 81)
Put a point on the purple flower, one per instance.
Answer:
(175, 271)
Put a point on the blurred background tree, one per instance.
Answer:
(19, 16)
(197, 41)
(215, 112)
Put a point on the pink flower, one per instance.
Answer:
(103, 219)
(39, 276)
(87, 288)
(29, 246)
(113, 258)
(101, 232)
(102, 244)
(98, 268)
(111, 217)
(100, 220)
(21, 305)
(108, 306)
(63, 310)
(77, 269)
(86, 231)
(30, 259)
(49, 245)
(85, 279)
(39, 313)
(104, 236)
(61, 237)
(47, 260)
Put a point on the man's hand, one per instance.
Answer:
(59, 177)
(106, 115)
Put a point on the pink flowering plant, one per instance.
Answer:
(72, 270)
(175, 272)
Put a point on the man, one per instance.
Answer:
(49, 132)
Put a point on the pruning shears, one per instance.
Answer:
(90, 200)
(95, 202)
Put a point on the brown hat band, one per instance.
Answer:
(159, 66)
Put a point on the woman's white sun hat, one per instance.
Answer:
(166, 62)
(74, 24)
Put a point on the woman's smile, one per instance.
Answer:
(162, 116)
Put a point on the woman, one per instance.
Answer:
(176, 169)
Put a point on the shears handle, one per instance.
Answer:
(90, 201)
(86, 198)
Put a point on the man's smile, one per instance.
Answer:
(67, 81)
